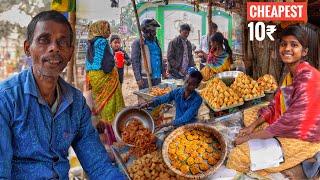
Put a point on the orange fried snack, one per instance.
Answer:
(143, 140)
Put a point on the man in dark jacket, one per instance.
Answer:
(180, 54)
(153, 52)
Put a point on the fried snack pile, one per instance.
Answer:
(151, 166)
(156, 91)
(251, 114)
(218, 95)
(194, 152)
(267, 82)
(143, 140)
(246, 87)
(207, 73)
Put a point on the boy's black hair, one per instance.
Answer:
(298, 32)
(197, 75)
(51, 15)
(114, 37)
(185, 27)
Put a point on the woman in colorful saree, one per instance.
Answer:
(293, 116)
(219, 58)
(103, 79)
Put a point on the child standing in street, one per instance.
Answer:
(121, 57)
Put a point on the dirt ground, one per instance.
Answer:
(129, 86)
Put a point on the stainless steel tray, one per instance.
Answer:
(145, 93)
(257, 97)
(228, 77)
(270, 92)
(221, 109)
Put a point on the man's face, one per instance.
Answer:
(116, 44)
(50, 48)
(150, 33)
(291, 50)
(184, 33)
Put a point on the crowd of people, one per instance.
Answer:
(41, 115)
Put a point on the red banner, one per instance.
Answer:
(277, 11)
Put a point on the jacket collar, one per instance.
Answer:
(30, 87)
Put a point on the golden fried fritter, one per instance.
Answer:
(184, 169)
(201, 150)
(212, 161)
(194, 154)
(195, 169)
(190, 161)
(198, 160)
(204, 166)
(209, 149)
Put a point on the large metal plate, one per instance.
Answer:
(145, 93)
(221, 109)
(130, 113)
(228, 77)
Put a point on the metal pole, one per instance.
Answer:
(143, 51)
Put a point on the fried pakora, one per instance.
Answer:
(195, 169)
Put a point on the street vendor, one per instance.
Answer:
(204, 44)
(41, 115)
(293, 116)
(219, 57)
(153, 52)
(187, 100)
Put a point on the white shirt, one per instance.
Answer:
(204, 45)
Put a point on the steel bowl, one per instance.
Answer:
(130, 113)
(228, 77)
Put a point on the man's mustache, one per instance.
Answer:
(56, 58)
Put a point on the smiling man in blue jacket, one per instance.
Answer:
(41, 115)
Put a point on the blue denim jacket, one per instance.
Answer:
(186, 109)
(34, 143)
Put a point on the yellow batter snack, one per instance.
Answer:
(209, 140)
(218, 95)
(212, 161)
(176, 164)
(195, 169)
(205, 156)
(204, 166)
(216, 155)
(184, 169)
(246, 87)
(182, 157)
(172, 150)
(190, 161)
(194, 154)
(201, 150)
(267, 82)
(209, 149)
(198, 160)
(194, 151)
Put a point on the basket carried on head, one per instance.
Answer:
(209, 132)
